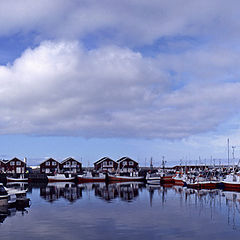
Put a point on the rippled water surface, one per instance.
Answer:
(123, 211)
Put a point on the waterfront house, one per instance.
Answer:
(15, 165)
(105, 164)
(50, 165)
(70, 165)
(127, 165)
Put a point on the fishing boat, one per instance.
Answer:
(120, 178)
(232, 182)
(204, 184)
(179, 179)
(60, 178)
(20, 179)
(88, 177)
(153, 178)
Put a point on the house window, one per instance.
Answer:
(18, 163)
(74, 163)
(67, 163)
(110, 164)
(12, 163)
(124, 163)
(131, 163)
(54, 163)
(104, 163)
(47, 164)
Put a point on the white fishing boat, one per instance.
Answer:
(60, 178)
(153, 178)
(20, 179)
(232, 182)
(88, 177)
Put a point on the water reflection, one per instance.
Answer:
(54, 191)
(124, 191)
(120, 210)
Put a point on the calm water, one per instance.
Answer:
(118, 211)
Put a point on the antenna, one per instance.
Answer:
(228, 150)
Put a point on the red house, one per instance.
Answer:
(127, 165)
(15, 166)
(105, 164)
(50, 166)
(70, 165)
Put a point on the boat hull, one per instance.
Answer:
(9, 179)
(167, 179)
(231, 186)
(89, 179)
(203, 185)
(179, 182)
(124, 179)
(52, 179)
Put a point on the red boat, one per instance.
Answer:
(167, 179)
(232, 182)
(203, 185)
(119, 178)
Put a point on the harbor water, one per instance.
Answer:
(122, 211)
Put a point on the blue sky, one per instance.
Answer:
(143, 79)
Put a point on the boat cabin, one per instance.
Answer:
(105, 164)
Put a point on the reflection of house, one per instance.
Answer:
(61, 190)
(105, 164)
(127, 165)
(49, 166)
(70, 165)
(15, 166)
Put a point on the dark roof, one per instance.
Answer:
(69, 158)
(125, 158)
(103, 159)
(48, 160)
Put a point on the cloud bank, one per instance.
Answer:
(60, 88)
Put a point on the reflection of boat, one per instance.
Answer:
(20, 179)
(125, 178)
(88, 177)
(60, 178)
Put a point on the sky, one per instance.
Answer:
(137, 78)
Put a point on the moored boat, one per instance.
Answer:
(203, 184)
(153, 178)
(88, 177)
(125, 178)
(232, 182)
(60, 178)
(20, 179)
(180, 179)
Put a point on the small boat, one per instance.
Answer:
(153, 178)
(60, 178)
(119, 178)
(180, 179)
(20, 179)
(88, 177)
(232, 182)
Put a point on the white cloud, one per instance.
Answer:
(60, 88)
